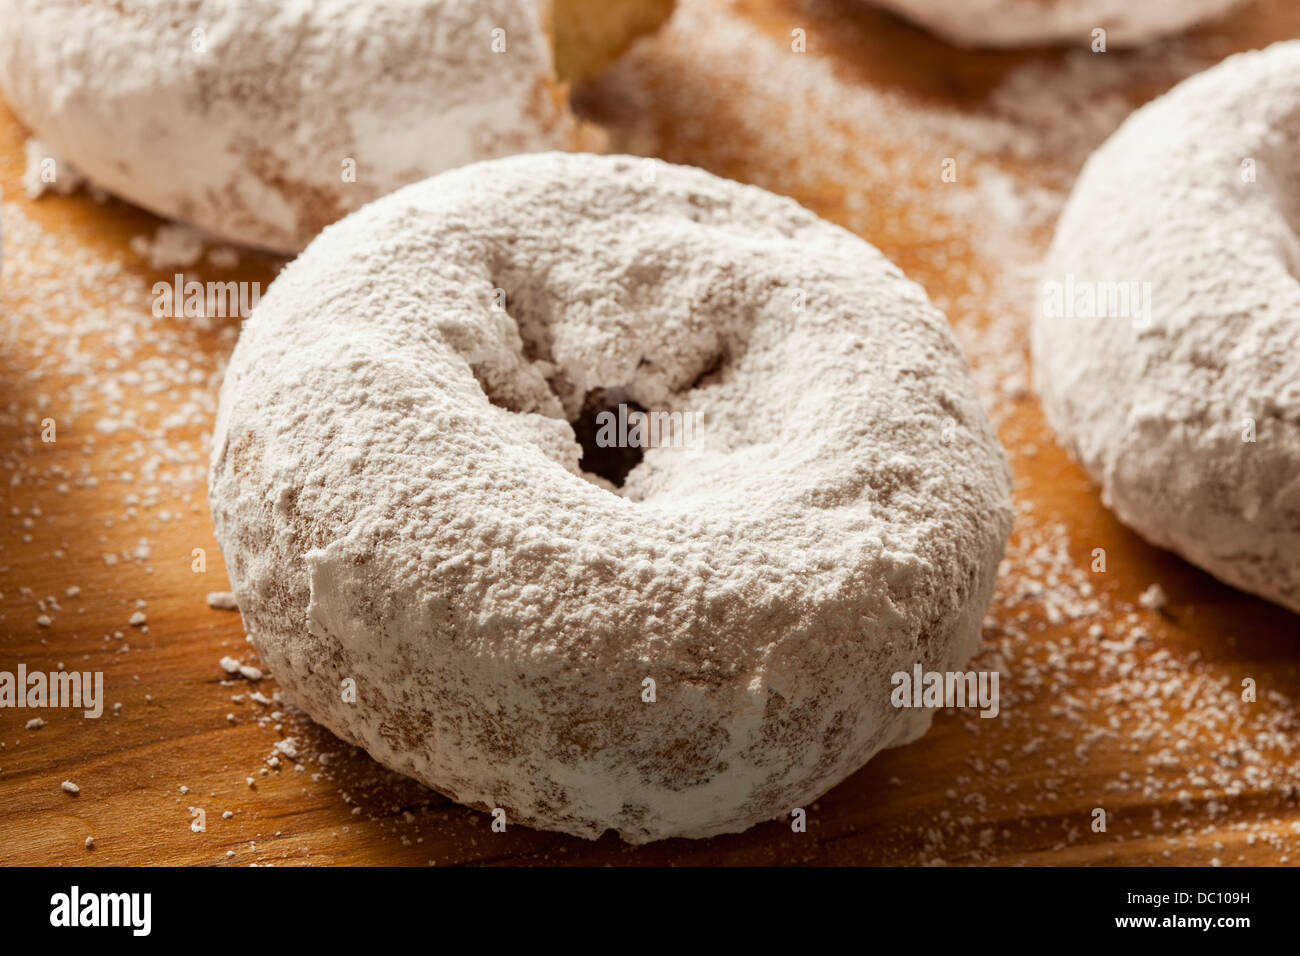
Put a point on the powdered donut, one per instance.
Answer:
(397, 489)
(1182, 397)
(262, 120)
(1027, 22)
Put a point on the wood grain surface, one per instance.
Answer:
(1144, 721)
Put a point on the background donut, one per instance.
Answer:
(261, 121)
(1006, 23)
(1167, 340)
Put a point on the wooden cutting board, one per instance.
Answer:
(852, 113)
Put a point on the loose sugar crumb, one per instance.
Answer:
(1153, 598)
(222, 601)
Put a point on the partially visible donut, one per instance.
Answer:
(398, 492)
(260, 121)
(1177, 384)
(1006, 23)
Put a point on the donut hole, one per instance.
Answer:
(613, 462)
(525, 376)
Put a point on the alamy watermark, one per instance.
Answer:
(938, 689)
(1086, 299)
(632, 428)
(74, 908)
(204, 300)
(56, 689)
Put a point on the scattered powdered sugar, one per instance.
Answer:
(1196, 756)
(171, 246)
(177, 246)
(82, 343)
(1153, 598)
(235, 668)
(47, 172)
(223, 257)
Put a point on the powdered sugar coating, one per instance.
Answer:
(840, 518)
(1192, 425)
(1027, 22)
(242, 117)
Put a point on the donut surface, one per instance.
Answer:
(260, 121)
(397, 489)
(1028, 22)
(1177, 385)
